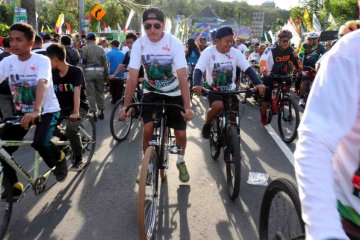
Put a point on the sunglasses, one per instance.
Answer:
(148, 26)
(285, 41)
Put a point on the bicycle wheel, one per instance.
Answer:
(215, 139)
(165, 141)
(5, 204)
(148, 195)
(288, 120)
(280, 213)
(232, 159)
(119, 129)
(88, 138)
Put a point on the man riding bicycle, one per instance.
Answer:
(276, 60)
(159, 52)
(309, 54)
(220, 63)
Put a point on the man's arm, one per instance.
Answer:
(76, 110)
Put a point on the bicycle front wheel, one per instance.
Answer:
(232, 159)
(215, 139)
(88, 138)
(148, 195)
(6, 204)
(288, 120)
(280, 213)
(119, 129)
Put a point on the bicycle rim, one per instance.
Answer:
(119, 129)
(288, 120)
(232, 159)
(148, 195)
(215, 139)
(280, 213)
(88, 138)
(5, 204)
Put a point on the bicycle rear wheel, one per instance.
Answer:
(215, 139)
(280, 213)
(148, 195)
(232, 159)
(288, 120)
(119, 129)
(6, 204)
(88, 138)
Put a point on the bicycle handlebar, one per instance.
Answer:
(206, 91)
(156, 105)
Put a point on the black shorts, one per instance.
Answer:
(174, 118)
(235, 101)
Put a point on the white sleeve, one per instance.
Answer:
(241, 61)
(135, 56)
(204, 59)
(329, 115)
(179, 58)
(3, 70)
(268, 58)
(44, 68)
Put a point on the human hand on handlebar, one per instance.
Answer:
(261, 88)
(123, 115)
(188, 115)
(197, 90)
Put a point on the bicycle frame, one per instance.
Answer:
(18, 168)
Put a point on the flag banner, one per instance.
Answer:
(168, 25)
(68, 27)
(308, 21)
(128, 21)
(316, 23)
(331, 20)
(291, 21)
(203, 30)
(272, 38)
(59, 23)
(296, 38)
(243, 32)
(266, 37)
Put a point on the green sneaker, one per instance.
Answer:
(183, 173)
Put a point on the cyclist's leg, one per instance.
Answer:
(268, 82)
(147, 112)
(72, 132)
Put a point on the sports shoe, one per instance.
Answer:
(263, 119)
(78, 166)
(18, 189)
(302, 102)
(206, 131)
(101, 115)
(183, 173)
(61, 169)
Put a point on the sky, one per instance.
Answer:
(283, 4)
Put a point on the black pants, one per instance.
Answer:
(41, 142)
(269, 83)
(116, 89)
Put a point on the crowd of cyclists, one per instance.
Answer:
(45, 79)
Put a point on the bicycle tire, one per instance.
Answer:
(148, 195)
(273, 193)
(289, 104)
(88, 138)
(119, 129)
(165, 142)
(6, 204)
(232, 159)
(215, 139)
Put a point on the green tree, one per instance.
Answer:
(6, 14)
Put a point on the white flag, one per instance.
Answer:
(168, 25)
(132, 12)
(271, 36)
(316, 23)
(331, 20)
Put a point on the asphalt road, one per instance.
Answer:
(101, 202)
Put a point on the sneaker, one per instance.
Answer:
(78, 166)
(101, 115)
(183, 173)
(263, 119)
(302, 102)
(18, 189)
(61, 169)
(206, 131)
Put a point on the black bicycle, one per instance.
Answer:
(191, 68)
(154, 164)
(225, 133)
(280, 213)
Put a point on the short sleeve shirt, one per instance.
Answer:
(221, 67)
(23, 78)
(160, 61)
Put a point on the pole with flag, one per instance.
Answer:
(128, 21)
(307, 20)
(59, 23)
(316, 23)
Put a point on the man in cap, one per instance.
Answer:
(217, 61)
(95, 68)
(46, 40)
(159, 47)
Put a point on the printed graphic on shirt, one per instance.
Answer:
(158, 69)
(222, 75)
(23, 89)
(67, 87)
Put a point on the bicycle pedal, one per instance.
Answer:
(154, 143)
(176, 150)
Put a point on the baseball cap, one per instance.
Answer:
(153, 14)
(46, 36)
(224, 31)
(90, 36)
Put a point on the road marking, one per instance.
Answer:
(284, 148)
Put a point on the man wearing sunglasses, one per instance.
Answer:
(277, 59)
(159, 53)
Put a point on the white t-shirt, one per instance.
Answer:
(160, 60)
(254, 56)
(243, 48)
(125, 49)
(23, 77)
(46, 45)
(221, 67)
(328, 150)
